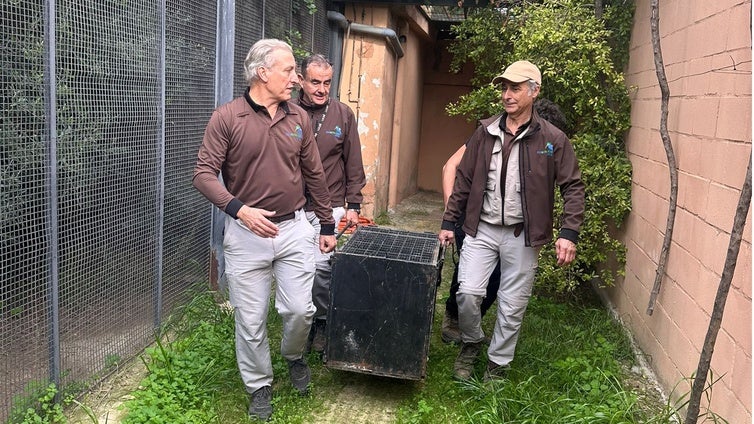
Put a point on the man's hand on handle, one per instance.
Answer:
(446, 238)
(352, 217)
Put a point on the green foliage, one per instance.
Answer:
(41, 409)
(619, 19)
(382, 219)
(581, 58)
(185, 375)
(568, 369)
(480, 39)
(294, 38)
(484, 101)
(309, 5)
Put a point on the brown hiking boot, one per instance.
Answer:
(464, 365)
(450, 331)
(495, 371)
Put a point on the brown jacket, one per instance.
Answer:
(264, 161)
(546, 160)
(340, 151)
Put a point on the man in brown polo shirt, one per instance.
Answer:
(265, 149)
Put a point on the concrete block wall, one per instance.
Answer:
(706, 49)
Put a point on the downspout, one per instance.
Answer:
(388, 33)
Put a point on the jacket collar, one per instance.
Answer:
(309, 106)
(495, 124)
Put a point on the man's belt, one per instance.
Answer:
(280, 218)
(517, 228)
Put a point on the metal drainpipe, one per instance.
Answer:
(388, 33)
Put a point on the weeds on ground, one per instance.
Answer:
(193, 378)
(567, 370)
(41, 407)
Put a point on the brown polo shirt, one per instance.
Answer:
(265, 161)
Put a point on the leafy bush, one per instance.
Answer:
(581, 72)
(186, 375)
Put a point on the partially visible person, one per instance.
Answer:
(505, 184)
(337, 136)
(264, 148)
(450, 333)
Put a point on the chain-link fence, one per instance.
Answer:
(101, 233)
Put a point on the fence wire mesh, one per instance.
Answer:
(102, 235)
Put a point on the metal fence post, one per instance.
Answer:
(160, 221)
(52, 192)
(226, 34)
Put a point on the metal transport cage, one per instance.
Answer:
(383, 288)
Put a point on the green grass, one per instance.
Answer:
(568, 369)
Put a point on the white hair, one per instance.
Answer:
(260, 55)
(533, 85)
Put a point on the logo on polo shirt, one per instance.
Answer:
(547, 151)
(337, 133)
(299, 133)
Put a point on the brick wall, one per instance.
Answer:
(706, 49)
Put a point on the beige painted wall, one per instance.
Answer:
(368, 80)
(407, 126)
(441, 135)
(386, 92)
(710, 127)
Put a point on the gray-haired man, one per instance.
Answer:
(505, 183)
(264, 147)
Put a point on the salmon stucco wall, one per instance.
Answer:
(706, 48)
(407, 124)
(367, 85)
(441, 134)
(386, 93)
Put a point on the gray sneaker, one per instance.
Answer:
(261, 404)
(300, 375)
(464, 365)
(450, 331)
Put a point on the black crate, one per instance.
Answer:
(383, 288)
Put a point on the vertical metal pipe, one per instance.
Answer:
(225, 42)
(337, 54)
(264, 16)
(53, 284)
(159, 225)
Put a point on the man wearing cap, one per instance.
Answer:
(505, 184)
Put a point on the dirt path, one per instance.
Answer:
(367, 399)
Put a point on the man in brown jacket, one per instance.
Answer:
(265, 149)
(505, 184)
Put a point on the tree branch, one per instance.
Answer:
(672, 167)
(739, 222)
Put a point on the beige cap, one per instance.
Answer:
(519, 71)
